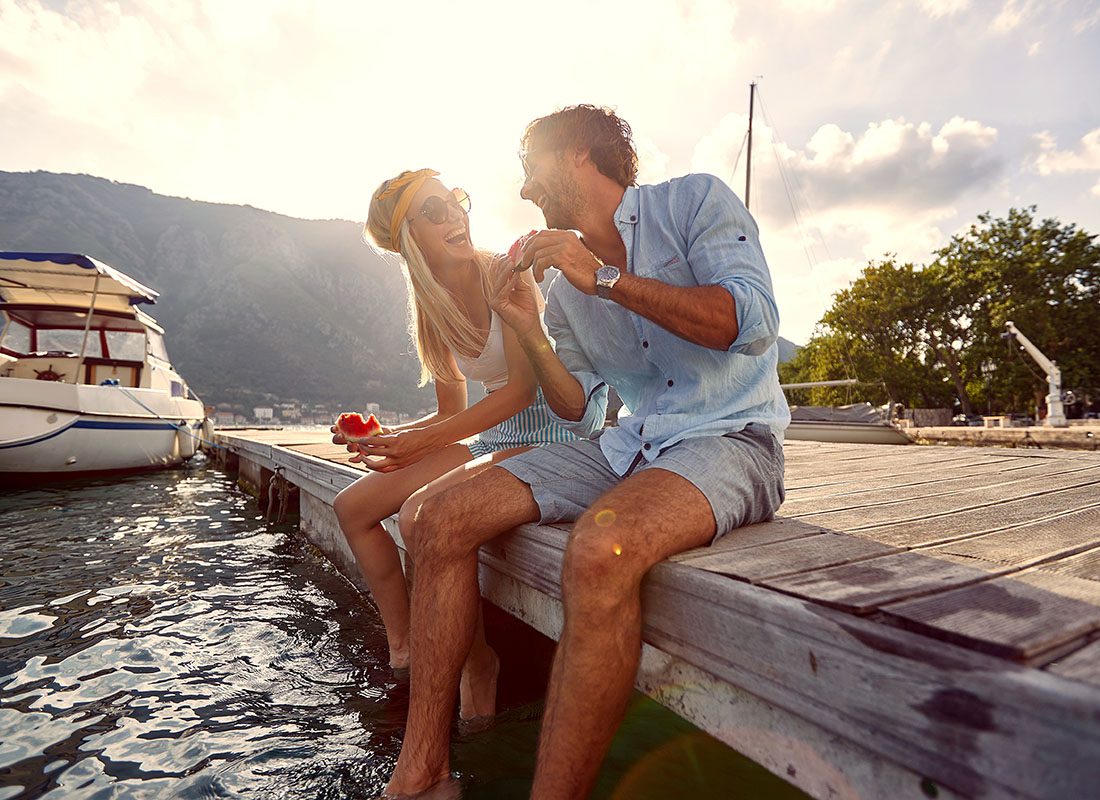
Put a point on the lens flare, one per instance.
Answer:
(617, 549)
(605, 518)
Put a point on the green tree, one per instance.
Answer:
(877, 330)
(1042, 275)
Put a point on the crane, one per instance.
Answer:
(1056, 414)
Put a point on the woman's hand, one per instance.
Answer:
(514, 298)
(388, 451)
(338, 438)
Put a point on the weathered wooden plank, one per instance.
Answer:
(902, 473)
(1082, 665)
(1058, 536)
(862, 587)
(1086, 565)
(790, 557)
(779, 529)
(948, 527)
(1020, 616)
(943, 483)
(904, 459)
(945, 504)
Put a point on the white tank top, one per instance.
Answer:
(491, 367)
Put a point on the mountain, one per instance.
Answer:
(254, 303)
(787, 350)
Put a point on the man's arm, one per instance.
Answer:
(733, 305)
(703, 315)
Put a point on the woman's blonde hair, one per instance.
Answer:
(437, 325)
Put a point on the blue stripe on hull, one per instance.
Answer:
(97, 425)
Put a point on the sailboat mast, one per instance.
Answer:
(748, 161)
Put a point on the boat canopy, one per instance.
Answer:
(68, 280)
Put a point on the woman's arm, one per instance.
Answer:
(404, 448)
(451, 399)
(497, 406)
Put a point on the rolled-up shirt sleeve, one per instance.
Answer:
(574, 359)
(724, 250)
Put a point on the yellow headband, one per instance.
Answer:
(408, 185)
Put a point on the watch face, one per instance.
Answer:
(607, 274)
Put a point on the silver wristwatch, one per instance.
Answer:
(606, 278)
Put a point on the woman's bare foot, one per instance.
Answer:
(399, 658)
(477, 690)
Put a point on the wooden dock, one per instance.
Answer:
(919, 622)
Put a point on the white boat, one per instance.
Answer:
(85, 381)
(860, 423)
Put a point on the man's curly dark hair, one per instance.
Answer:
(600, 130)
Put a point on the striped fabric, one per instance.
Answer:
(531, 427)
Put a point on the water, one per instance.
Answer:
(158, 639)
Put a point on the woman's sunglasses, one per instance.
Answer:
(435, 207)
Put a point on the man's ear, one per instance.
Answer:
(580, 156)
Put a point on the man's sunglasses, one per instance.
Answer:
(435, 207)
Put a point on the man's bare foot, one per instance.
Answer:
(477, 691)
(444, 789)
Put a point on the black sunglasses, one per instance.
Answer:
(436, 210)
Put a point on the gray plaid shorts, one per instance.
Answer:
(740, 474)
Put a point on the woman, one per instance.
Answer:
(457, 337)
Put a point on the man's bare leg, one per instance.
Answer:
(448, 530)
(477, 690)
(642, 521)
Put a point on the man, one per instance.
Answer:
(666, 296)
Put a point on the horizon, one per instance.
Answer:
(886, 146)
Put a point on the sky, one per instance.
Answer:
(882, 126)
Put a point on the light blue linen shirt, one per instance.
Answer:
(690, 231)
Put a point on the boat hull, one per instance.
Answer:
(64, 429)
(844, 432)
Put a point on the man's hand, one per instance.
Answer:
(564, 250)
(514, 297)
(394, 451)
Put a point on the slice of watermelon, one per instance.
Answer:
(354, 428)
(516, 250)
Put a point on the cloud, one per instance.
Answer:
(897, 163)
(1034, 49)
(943, 8)
(1085, 157)
(1013, 13)
(1084, 23)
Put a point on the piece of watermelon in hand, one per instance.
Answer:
(516, 250)
(354, 428)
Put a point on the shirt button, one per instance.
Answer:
(645, 345)
(670, 381)
(646, 446)
(741, 238)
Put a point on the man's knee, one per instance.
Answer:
(599, 569)
(436, 525)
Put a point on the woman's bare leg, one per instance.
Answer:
(478, 686)
(360, 509)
